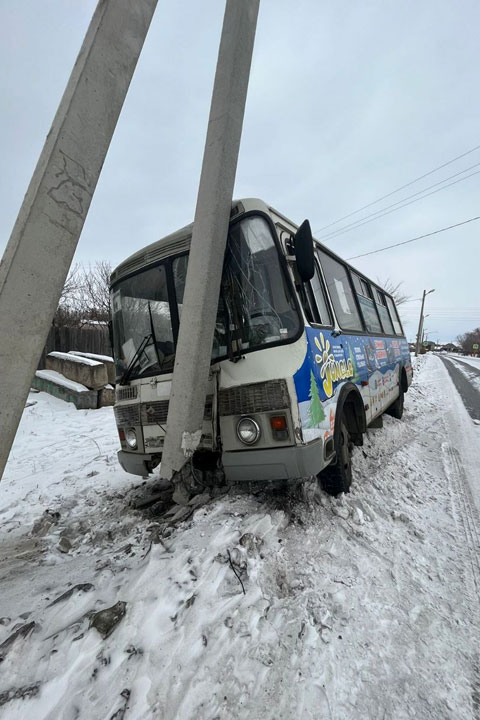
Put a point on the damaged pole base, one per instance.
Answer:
(190, 482)
(185, 486)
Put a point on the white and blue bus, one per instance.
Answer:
(307, 353)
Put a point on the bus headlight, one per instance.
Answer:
(131, 438)
(248, 431)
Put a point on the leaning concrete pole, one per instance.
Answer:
(194, 347)
(45, 235)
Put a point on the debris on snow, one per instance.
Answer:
(44, 523)
(105, 621)
(22, 631)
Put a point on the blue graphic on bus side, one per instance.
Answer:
(347, 358)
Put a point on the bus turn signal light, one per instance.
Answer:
(278, 422)
(279, 426)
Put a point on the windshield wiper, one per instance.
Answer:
(134, 360)
(141, 348)
(152, 334)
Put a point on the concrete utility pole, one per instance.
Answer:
(202, 288)
(45, 235)
(423, 329)
(420, 322)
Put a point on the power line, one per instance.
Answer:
(388, 212)
(382, 212)
(374, 202)
(419, 237)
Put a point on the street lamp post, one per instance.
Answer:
(420, 322)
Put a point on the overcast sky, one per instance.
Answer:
(347, 101)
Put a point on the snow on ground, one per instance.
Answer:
(464, 364)
(473, 361)
(260, 604)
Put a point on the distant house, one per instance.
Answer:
(450, 347)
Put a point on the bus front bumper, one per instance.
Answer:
(286, 463)
(136, 463)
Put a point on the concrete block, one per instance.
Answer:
(60, 387)
(82, 370)
(106, 396)
(105, 359)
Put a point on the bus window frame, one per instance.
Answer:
(168, 260)
(369, 287)
(387, 295)
(349, 270)
(382, 292)
(326, 297)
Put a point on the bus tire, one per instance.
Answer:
(337, 477)
(396, 408)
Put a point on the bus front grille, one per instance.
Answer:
(151, 413)
(126, 393)
(254, 398)
(127, 415)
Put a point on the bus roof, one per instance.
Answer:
(179, 241)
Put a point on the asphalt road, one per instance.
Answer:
(468, 387)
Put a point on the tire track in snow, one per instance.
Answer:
(467, 518)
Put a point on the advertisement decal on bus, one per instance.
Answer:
(333, 360)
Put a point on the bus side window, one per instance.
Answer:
(306, 299)
(397, 326)
(318, 290)
(369, 312)
(383, 311)
(340, 292)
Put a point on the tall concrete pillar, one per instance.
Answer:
(202, 288)
(45, 235)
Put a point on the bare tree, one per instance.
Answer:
(468, 340)
(85, 295)
(67, 313)
(394, 289)
(96, 282)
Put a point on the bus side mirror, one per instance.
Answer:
(303, 244)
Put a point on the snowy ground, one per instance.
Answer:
(473, 361)
(365, 607)
(470, 367)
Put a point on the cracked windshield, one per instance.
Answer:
(255, 307)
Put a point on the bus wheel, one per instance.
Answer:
(337, 477)
(396, 408)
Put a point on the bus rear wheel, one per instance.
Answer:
(337, 477)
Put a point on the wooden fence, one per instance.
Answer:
(93, 339)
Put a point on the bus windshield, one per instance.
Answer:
(256, 306)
